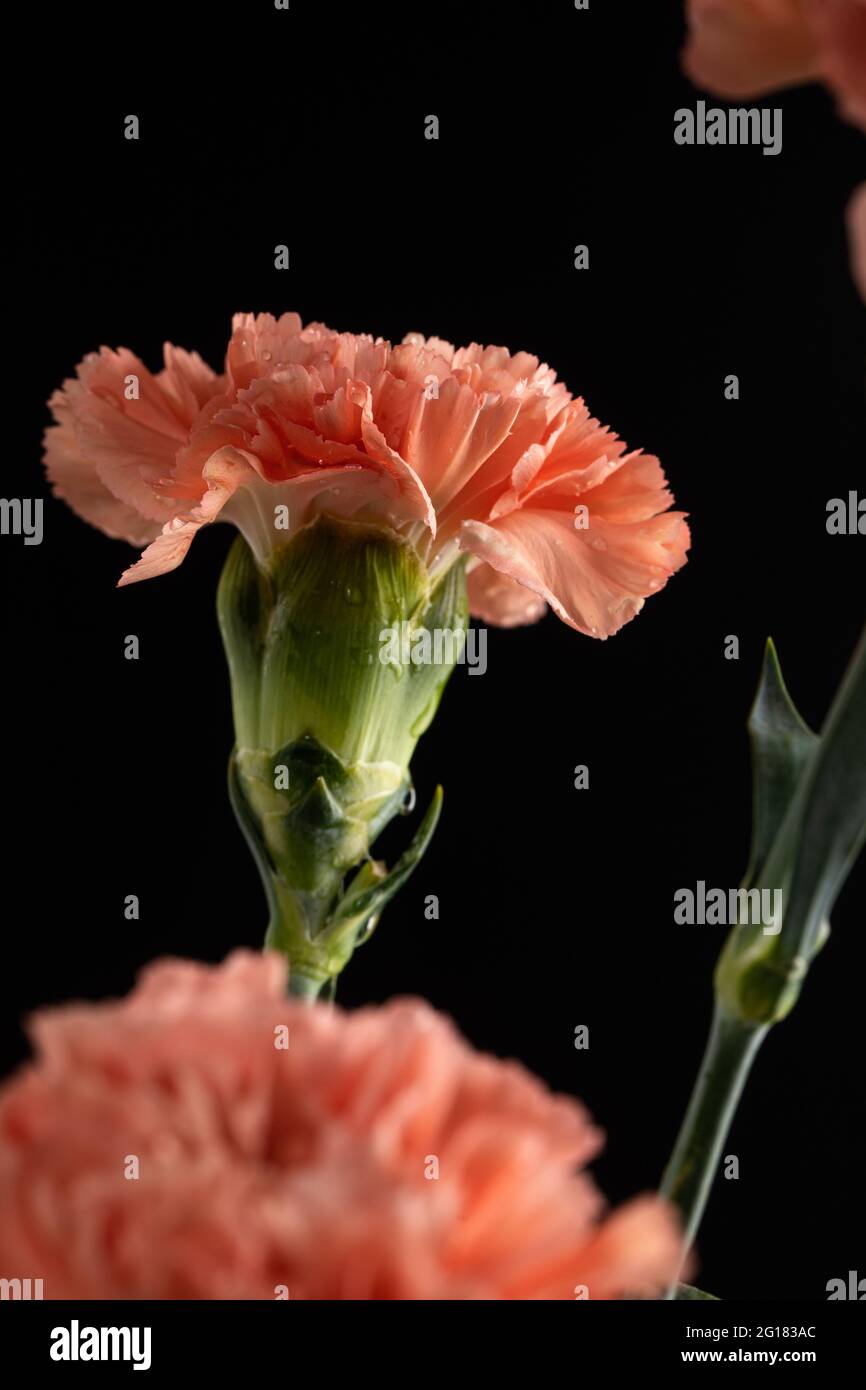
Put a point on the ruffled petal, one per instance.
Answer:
(498, 600)
(596, 580)
(74, 479)
(223, 474)
(129, 424)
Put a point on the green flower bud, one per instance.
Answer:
(328, 706)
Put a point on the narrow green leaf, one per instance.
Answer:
(816, 840)
(826, 826)
(782, 745)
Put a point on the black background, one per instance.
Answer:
(306, 127)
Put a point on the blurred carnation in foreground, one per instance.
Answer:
(299, 1171)
(471, 452)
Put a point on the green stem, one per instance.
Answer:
(304, 987)
(730, 1051)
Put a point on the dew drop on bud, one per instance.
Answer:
(366, 930)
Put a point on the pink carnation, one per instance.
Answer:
(745, 48)
(264, 1169)
(840, 28)
(470, 450)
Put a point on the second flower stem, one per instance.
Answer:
(730, 1051)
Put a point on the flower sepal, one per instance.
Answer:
(317, 815)
(304, 845)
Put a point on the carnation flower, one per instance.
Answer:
(170, 1146)
(745, 48)
(472, 451)
(369, 484)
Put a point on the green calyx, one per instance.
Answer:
(326, 722)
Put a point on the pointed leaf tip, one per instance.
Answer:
(782, 746)
(772, 705)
